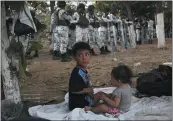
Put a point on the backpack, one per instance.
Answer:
(157, 82)
(83, 21)
(21, 28)
(38, 24)
(60, 22)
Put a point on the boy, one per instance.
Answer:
(80, 89)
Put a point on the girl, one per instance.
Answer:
(120, 99)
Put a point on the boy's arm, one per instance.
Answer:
(84, 91)
(75, 82)
(88, 90)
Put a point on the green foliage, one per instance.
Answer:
(14, 48)
(70, 8)
(35, 45)
(144, 8)
(139, 8)
(14, 5)
(47, 20)
(39, 5)
(104, 6)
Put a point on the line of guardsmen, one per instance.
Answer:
(103, 33)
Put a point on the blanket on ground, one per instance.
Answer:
(148, 108)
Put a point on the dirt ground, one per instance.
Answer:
(50, 78)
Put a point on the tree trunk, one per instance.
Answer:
(129, 10)
(160, 30)
(52, 4)
(9, 77)
(160, 26)
(132, 34)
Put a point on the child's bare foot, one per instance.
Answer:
(87, 108)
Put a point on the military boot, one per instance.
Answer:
(36, 54)
(106, 50)
(93, 53)
(69, 53)
(65, 58)
(102, 51)
(55, 55)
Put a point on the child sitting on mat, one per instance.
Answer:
(120, 100)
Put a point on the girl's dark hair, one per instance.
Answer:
(122, 73)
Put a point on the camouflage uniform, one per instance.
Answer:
(72, 34)
(150, 30)
(103, 36)
(24, 39)
(109, 33)
(132, 35)
(81, 32)
(121, 29)
(144, 31)
(126, 34)
(62, 31)
(138, 27)
(72, 38)
(54, 42)
(113, 30)
(94, 41)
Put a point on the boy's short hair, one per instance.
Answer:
(122, 73)
(80, 46)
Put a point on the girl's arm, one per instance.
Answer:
(115, 102)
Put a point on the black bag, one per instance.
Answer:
(60, 22)
(83, 21)
(72, 26)
(102, 23)
(38, 24)
(158, 82)
(21, 28)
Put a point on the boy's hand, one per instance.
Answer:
(103, 96)
(85, 90)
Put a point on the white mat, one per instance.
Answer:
(153, 108)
